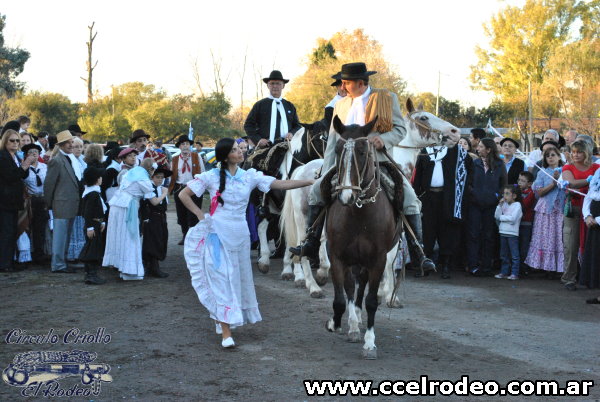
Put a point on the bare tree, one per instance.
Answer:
(220, 83)
(196, 74)
(89, 62)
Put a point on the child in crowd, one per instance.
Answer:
(155, 231)
(546, 248)
(508, 215)
(528, 202)
(92, 210)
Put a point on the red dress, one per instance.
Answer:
(577, 200)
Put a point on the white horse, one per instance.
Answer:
(293, 226)
(422, 129)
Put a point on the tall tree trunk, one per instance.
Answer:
(90, 68)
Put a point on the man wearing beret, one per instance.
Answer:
(361, 105)
(273, 118)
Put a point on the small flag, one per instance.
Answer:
(191, 132)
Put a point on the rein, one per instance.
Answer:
(362, 192)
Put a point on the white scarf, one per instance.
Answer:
(334, 101)
(436, 154)
(356, 114)
(277, 105)
(75, 164)
(91, 189)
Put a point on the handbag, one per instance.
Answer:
(568, 208)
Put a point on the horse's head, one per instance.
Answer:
(426, 129)
(309, 143)
(355, 159)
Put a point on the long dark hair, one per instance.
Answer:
(222, 150)
(492, 156)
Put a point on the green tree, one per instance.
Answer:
(49, 112)
(311, 91)
(12, 63)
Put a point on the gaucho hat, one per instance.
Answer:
(338, 79)
(275, 76)
(74, 128)
(164, 170)
(355, 71)
(182, 139)
(26, 148)
(138, 134)
(516, 144)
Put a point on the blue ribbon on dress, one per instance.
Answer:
(239, 173)
(132, 217)
(215, 244)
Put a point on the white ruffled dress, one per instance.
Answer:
(123, 245)
(217, 249)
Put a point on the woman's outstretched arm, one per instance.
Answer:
(290, 184)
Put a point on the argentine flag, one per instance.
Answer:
(191, 133)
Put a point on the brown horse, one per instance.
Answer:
(361, 229)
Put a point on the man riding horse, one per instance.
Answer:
(361, 106)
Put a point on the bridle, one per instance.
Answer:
(362, 198)
(426, 127)
(309, 145)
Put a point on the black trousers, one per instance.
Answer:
(39, 220)
(185, 218)
(8, 237)
(481, 237)
(437, 228)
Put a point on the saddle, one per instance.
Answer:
(268, 160)
(391, 184)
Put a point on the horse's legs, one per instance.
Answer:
(363, 278)
(386, 287)
(299, 277)
(313, 288)
(323, 271)
(349, 285)
(369, 348)
(286, 272)
(339, 301)
(265, 253)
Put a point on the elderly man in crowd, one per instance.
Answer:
(536, 155)
(273, 118)
(62, 194)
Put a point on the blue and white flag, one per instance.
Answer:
(191, 132)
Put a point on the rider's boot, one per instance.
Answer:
(416, 249)
(310, 246)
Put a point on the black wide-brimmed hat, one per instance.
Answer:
(275, 76)
(355, 71)
(164, 170)
(91, 175)
(516, 144)
(182, 139)
(139, 133)
(26, 148)
(338, 79)
(74, 128)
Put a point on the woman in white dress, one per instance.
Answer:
(123, 246)
(217, 249)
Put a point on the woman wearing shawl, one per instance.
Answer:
(123, 246)
(217, 249)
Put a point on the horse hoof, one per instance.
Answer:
(300, 283)
(317, 294)
(263, 268)
(329, 325)
(370, 354)
(354, 337)
(395, 304)
(287, 277)
(321, 281)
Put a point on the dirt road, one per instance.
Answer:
(162, 344)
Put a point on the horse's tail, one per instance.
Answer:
(291, 220)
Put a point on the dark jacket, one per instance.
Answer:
(486, 187)
(515, 169)
(11, 182)
(258, 122)
(453, 200)
(93, 214)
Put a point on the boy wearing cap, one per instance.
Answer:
(93, 211)
(155, 233)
